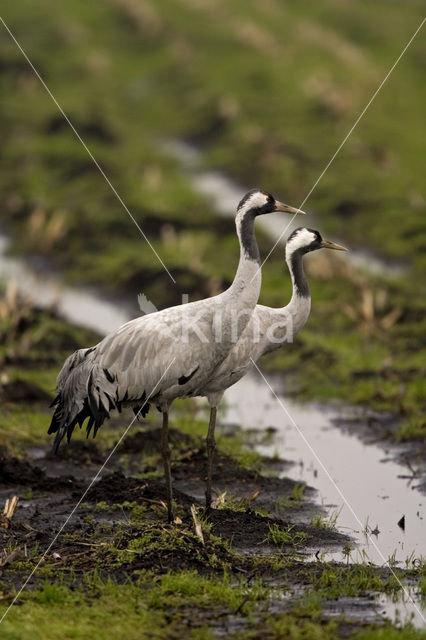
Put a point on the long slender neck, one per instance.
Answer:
(248, 275)
(300, 304)
(274, 327)
(298, 278)
(239, 301)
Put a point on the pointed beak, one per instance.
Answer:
(280, 206)
(326, 244)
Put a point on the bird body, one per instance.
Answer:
(268, 328)
(167, 354)
(181, 345)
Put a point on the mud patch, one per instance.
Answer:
(117, 488)
(16, 473)
(121, 510)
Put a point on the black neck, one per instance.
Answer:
(300, 283)
(248, 239)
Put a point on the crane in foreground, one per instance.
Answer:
(267, 330)
(164, 355)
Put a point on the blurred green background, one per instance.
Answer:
(266, 91)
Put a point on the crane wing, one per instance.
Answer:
(174, 346)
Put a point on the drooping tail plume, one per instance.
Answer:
(88, 391)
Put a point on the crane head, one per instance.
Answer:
(304, 240)
(259, 202)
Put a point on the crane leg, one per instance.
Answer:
(165, 452)
(211, 446)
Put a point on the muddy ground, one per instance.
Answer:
(49, 486)
(120, 526)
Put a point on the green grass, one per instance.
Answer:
(181, 603)
(105, 608)
(296, 496)
(112, 611)
(178, 589)
(336, 581)
(20, 426)
(325, 522)
(287, 536)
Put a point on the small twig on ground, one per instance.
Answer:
(254, 496)
(219, 500)
(8, 512)
(197, 523)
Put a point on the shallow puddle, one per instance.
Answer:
(361, 487)
(359, 484)
(401, 609)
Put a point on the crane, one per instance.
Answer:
(267, 330)
(164, 355)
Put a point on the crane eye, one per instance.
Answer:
(268, 196)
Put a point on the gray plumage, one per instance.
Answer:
(267, 330)
(167, 354)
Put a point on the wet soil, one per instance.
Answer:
(120, 527)
(48, 487)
